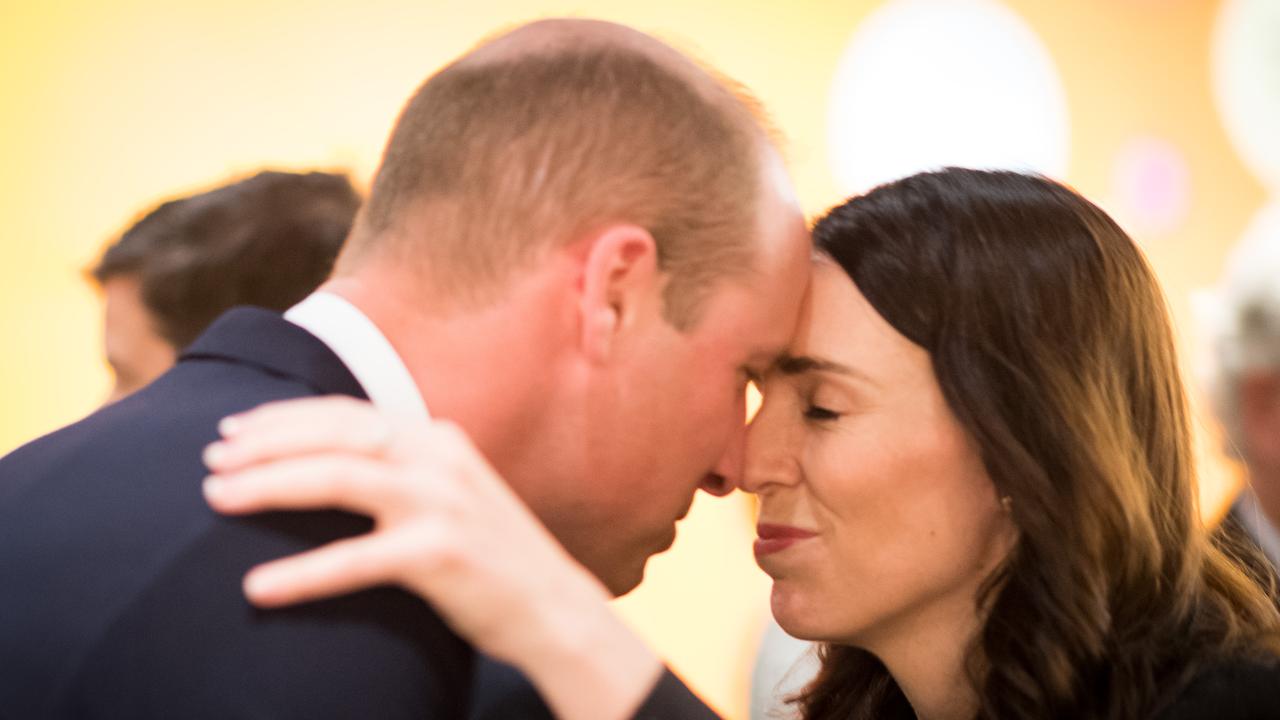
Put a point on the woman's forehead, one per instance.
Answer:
(840, 325)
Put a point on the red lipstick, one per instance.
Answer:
(775, 538)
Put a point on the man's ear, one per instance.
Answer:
(618, 277)
(1260, 416)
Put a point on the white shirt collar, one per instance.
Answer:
(1264, 533)
(366, 352)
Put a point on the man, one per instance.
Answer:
(577, 250)
(1247, 386)
(267, 241)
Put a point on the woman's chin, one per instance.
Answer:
(794, 615)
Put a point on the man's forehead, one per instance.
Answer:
(759, 316)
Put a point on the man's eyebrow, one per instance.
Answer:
(769, 356)
(800, 364)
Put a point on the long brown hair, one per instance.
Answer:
(1051, 342)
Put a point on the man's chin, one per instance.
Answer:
(624, 580)
(621, 579)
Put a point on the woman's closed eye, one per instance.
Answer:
(817, 413)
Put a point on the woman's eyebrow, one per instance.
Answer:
(800, 364)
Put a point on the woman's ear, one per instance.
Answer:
(619, 278)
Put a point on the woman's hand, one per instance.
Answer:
(446, 527)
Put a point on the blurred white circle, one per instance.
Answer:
(1150, 186)
(1246, 81)
(928, 83)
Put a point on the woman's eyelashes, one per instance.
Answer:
(817, 413)
(824, 402)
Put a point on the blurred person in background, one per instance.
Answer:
(1245, 329)
(266, 241)
(976, 478)
(784, 665)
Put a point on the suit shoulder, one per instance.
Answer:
(1235, 689)
(190, 631)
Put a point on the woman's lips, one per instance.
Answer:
(775, 538)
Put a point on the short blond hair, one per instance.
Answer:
(501, 160)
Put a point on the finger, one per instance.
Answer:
(330, 480)
(296, 427)
(289, 410)
(338, 568)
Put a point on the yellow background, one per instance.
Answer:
(107, 107)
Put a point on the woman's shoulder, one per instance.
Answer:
(1236, 689)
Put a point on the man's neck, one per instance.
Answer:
(485, 369)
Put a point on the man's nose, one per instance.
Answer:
(769, 455)
(728, 471)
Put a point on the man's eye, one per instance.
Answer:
(820, 414)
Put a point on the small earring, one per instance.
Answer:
(1006, 502)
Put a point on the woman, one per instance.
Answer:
(976, 484)
(1010, 468)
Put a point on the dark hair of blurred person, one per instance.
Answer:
(267, 240)
(1051, 344)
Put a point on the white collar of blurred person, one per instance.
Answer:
(1256, 523)
(366, 352)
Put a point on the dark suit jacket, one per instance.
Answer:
(1243, 689)
(502, 693)
(120, 589)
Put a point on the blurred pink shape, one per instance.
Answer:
(1151, 186)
